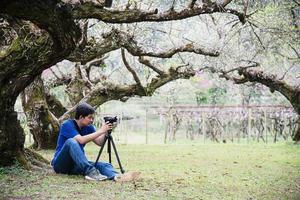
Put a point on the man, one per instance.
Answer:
(69, 157)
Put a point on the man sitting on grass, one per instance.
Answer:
(69, 157)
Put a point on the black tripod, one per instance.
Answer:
(110, 142)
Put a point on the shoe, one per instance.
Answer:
(94, 175)
(126, 177)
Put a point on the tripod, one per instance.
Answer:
(110, 140)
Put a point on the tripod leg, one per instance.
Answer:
(117, 156)
(109, 148)
(101, 149)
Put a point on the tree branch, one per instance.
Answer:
(148, 64)
(93, 50)
(192, 4)
(59, 81)
(105, 91)
(90, 10)
(116, 39)
(271, 81)
(234, 79)
(138, 51)
(84, 75)
(135, 76)
(96, 62)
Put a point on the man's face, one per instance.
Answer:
(87, 120)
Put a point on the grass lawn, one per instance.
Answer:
(181, 171)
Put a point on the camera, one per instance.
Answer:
(111, 120)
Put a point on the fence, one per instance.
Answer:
(162, 124)
(229, 123)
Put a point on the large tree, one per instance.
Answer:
(37, 34)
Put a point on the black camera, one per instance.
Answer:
(111, 120)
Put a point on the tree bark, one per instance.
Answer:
(296, 137)
(11, 133)
(42, 123)
(32, 51)
(54, 105)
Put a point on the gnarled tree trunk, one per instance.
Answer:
(11, 133)
(43, 125)
(296, 137)
(33, 49)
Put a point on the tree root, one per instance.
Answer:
(30, 160)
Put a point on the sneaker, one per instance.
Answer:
(126, 177)
(94, 175)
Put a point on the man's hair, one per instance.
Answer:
(84, 110)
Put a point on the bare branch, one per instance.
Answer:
(223, 3)
(181, 66)
(296, 2)
(246, 2)
(83, 24)
(97, 61)
(93, 50)
(116, 39)
(91, 10)
(255, 64)
(106, 91)
(84, 75)
(137, 51)
(135, 76)
(295, 50)
(60, 81)
(234, 79)
(53, 72)
(256, 35)
(285, 73)
(292, 93)
(148, 64)
(192, 4)
(271, 81)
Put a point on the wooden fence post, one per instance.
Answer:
(146, 126)
(266, 131)
(249, 124)
(203, 126)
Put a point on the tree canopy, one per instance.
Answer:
(37, 34)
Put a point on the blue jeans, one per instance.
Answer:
(72, 160)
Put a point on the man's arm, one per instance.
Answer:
(99, 140)
(87, 138)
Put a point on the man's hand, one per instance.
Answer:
(106, 127)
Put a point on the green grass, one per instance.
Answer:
(181, 171)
